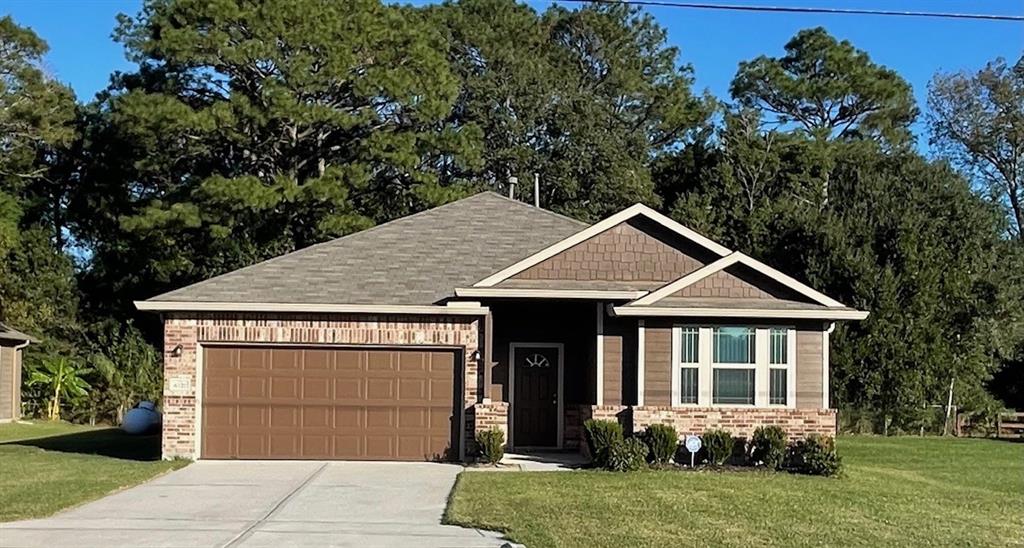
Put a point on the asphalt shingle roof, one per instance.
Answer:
(414, 260)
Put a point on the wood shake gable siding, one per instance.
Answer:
(627, 252)
(736, 283)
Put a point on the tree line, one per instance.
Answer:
(251, 129)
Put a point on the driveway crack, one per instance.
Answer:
(248, 531)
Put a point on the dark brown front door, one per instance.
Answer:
(327, 403)
(535, 409)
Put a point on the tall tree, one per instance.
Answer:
(977, 121)
(583, 98)
(254, 128)
(830, 91)
(37, 116)
(827, 88)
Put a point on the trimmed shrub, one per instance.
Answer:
(718, 446)
(815, 455)
(662, 442)
(768, 446)
(491, 444)
(601, 435)
(627, 455)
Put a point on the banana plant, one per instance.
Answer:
(62, 379)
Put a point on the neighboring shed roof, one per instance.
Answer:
(414, 260)
(12, 335)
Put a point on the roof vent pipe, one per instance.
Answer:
(512, 182)
(536, 190)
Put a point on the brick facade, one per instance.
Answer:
(485, 416)
(797, 423)
(181, 378)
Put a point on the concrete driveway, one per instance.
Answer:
(257, 504)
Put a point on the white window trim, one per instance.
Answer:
(789, 366)
(761, 367)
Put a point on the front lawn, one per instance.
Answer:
(895, 492)
(46, 467)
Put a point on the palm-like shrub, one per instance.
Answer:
(61, 379)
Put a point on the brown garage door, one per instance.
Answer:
(315, 403)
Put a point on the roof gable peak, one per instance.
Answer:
(631, 212)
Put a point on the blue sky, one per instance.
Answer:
(714, 42)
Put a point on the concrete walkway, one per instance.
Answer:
(256, 504)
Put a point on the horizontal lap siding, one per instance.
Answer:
(809, 368)
(612, 368)
(7, 384)
(657, 363)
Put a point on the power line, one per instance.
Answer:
(794, 9)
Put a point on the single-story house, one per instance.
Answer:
(401, 341)
(11, 344)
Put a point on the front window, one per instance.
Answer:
(733, 365)
(733, 347)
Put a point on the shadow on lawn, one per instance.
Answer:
(108, 442)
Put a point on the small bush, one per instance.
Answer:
(491, 444)
(768, 446)
(662, 441)
(601, 435)
(627, 455)
(718, 446)
(815, 455)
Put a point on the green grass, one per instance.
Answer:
(49, 466)
(895, 492)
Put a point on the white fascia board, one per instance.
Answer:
(595, 229)
(178, 306)
(651, 311)
(548, 293)
(687, 280)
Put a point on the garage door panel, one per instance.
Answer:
(251, 446)
(316, 417)
(318, 360)
(378, 417)
(413, 417)
(306, 403)
(348, 446)
(219, 358)
(284, 388)
(379, 445)
(289, 359)
(381, 389)
(252, 387)
(411, 362)
(252, 359)
(316, 388)
(380, 361)
(349, 417)
(220, 387)
(283, 417)
(316, 446)
(284, 445)
(348, 389)
(414, 389)
(252, 416)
